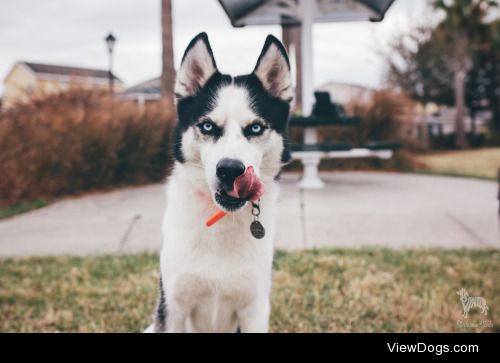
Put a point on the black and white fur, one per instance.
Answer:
(218, 279)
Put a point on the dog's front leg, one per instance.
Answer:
(176, 319)
(255, 318)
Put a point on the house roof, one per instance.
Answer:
(150, 87)
(67, 71)
(267, 12)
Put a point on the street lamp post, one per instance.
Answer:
(110, 42)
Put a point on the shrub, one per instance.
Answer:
(81, 140)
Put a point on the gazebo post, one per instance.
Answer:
(310, 178)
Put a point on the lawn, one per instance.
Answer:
(23, 207)
(479, 163)
(314, 291)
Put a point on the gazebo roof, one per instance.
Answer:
(273, 12)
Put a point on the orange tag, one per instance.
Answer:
(215, 218)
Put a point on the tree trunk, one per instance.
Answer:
(168, 71)
(460, 139)
(424, 131)
(291, 36)
(496, 121)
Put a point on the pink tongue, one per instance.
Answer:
(247, 186)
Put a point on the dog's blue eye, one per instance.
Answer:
(207, 126)
(256, 128)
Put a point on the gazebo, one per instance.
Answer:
(304, 12)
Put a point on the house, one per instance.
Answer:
(147, 91)
(26, 80)
(442, 121)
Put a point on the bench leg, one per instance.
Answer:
(310, 179)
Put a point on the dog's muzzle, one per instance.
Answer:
(227, 202)
(227, 170)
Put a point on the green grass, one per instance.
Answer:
(477, 163)
(313, 291)
(7, 212)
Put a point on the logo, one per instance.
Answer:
(471, 302)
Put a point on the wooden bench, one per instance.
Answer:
(380, 150)
(345, 146)
(327, 113)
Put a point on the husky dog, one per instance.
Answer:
(218, 279)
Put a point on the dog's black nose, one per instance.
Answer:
(227, 170)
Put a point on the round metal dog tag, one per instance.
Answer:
(257, 230)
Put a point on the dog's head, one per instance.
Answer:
(226, 124)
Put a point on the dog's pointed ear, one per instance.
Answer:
(273, 69)
(197, 66)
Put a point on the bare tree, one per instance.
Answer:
(463, 19)
(168, 71)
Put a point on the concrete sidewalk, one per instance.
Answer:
(356, 209)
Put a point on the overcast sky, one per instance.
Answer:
(71, 32)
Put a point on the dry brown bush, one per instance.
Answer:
(78, 141)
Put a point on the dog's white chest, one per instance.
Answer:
(213, 301)
(213, 287)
